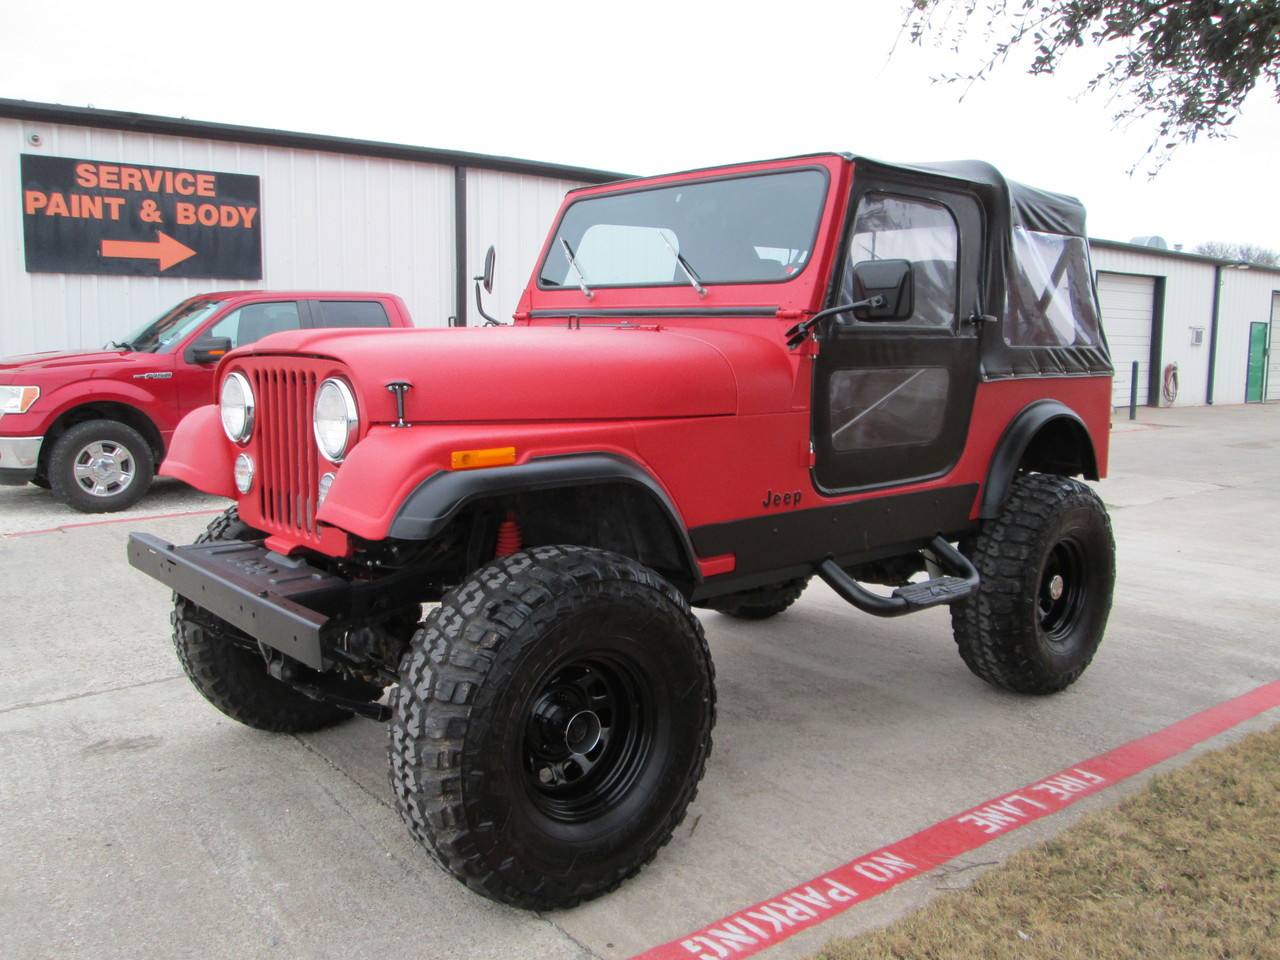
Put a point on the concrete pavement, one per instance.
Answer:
(139, 822)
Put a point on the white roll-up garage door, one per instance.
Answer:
(1128, 305)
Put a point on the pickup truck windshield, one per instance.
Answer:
(742, 230)
(163, 334)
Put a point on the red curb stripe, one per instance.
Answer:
(758, 927)
(102, 523)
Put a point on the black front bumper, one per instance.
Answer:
(272, 598)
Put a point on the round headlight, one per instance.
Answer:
(236, 404)
(335, 419)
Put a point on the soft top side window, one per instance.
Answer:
(900, 228)
(1050, 293)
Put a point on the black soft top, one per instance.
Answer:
(1036, 240)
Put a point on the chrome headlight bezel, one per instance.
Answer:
(237, 415)
(335, 420)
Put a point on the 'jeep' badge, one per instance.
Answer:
(790, 499)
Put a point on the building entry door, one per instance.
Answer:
(1256, 380)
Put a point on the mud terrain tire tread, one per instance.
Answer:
(486, 649)
(1000, 630)
(227, 668)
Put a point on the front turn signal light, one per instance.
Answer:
(474, 459)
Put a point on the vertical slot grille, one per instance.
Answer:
(290, 469)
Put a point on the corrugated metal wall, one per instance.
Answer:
(513, 213)
(329, 220)
(1246, 298)
(1188, 303)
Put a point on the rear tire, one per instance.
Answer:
(552, 721)
(1048, 570)
(227, 667)
(760, 603)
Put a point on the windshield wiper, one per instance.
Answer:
(683, 264)
(124, 345)
(582, 280)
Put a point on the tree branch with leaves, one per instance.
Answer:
(1187, 64)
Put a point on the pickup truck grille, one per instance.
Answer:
(289, 463)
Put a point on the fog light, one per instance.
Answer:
(325, 483)
(244, 473)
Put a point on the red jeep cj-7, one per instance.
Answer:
(718, 384)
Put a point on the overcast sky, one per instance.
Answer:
(637, 88)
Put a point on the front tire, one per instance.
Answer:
(227, 667)
(552, 721)
(100, 466)
(1047, 564)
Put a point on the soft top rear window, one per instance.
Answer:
(741, 230)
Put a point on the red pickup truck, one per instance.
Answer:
(92, 425)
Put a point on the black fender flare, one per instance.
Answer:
(439, 498)
(1013, 444)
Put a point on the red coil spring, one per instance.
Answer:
(508, 536)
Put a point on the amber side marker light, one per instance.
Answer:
(473, 459)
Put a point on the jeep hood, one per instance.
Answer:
(516, 373)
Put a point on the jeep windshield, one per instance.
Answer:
(163, 334)
(750, 229)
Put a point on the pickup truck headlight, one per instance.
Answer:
(17, 399)
(335, 419)
(237, 406)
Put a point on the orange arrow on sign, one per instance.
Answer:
(164, 248)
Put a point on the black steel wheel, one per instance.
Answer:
(228, 668)
(552, 722)
(760, 603)
(100, 466)
(1048, 570)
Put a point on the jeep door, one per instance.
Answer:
(892, 400)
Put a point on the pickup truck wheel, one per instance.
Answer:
(760, 603)
(1048, 568)
(100, 466)
(552, 721)
(227, 667)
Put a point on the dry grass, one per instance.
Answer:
(1187, 868)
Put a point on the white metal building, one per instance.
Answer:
(333, 213)
(1212, 319)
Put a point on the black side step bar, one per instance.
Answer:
(960, 581)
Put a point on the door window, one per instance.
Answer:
(254, 321)
(887, 407)
(897, 228)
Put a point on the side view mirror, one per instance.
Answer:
(208, 350)
(485, 280)
(889, 280)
